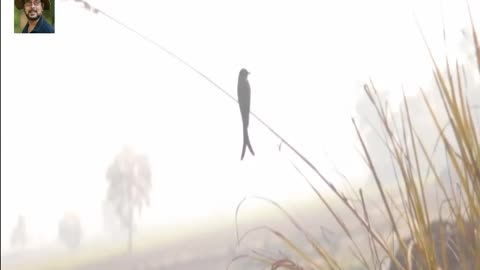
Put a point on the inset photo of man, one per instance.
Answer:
(34, 16)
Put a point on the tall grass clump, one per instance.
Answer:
(422, 232)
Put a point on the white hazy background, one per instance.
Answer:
(71, 100)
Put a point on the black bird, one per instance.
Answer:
(244, 102)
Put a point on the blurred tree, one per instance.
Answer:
(129, 178)
(70, 230)
(19, 234)
(111, 222)
(371, 127)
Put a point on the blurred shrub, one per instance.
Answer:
(70, 230)
(19, 234)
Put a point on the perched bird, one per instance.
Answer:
(244, 102)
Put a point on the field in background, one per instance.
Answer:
(204, 247)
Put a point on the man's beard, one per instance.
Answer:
(33, 15)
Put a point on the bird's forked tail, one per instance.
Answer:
(246, 142)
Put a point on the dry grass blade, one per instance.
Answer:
(285, 240)
(373, 248)
(475, 37)
(330, 209)
(285, 263)
(332, 264)
(247, 257)
(384, 199)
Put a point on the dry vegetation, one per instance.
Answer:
(431, 220)
(426, 220)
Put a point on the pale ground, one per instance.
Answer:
(212, 247)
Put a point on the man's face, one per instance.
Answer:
(33, 9)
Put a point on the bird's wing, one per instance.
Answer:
(244, 100)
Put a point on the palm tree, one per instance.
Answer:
(129, 178)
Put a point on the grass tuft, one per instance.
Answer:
(424, 233)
